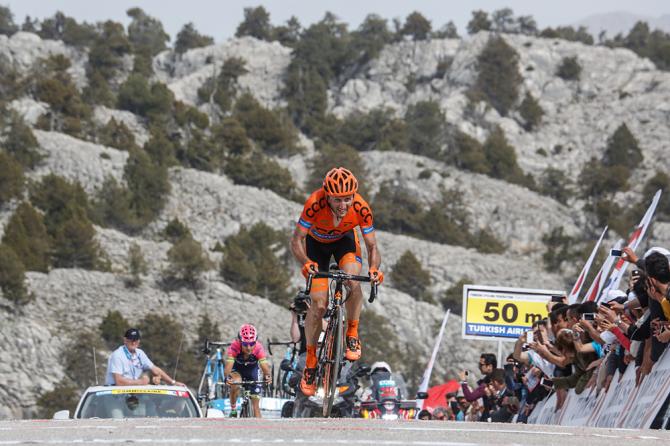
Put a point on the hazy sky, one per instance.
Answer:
(219, 18)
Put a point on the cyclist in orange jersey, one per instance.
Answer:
(327, 228)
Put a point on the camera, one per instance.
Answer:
(529, 337)
(557, 298)
(615, 252)
(547, 382)
(589, 316)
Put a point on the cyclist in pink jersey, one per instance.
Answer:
(245, 356)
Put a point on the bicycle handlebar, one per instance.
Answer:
(341, 276)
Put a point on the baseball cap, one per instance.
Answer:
(132, 334)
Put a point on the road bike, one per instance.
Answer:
(331, 350)
(282, 389)
(212, 382)
(247, 407)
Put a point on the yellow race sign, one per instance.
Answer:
(500, 313)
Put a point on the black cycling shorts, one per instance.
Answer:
(347, 248)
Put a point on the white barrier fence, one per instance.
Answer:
(623, 406)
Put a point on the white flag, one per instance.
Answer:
(429, 369)
(633, 242)
(572, 297)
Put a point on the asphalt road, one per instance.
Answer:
(312, 432)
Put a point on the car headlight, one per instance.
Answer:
(389, 416)
(389, 405)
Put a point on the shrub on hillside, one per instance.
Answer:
(21, 143)
(97, 92)
(230, 138)
(222, 89)
(396, 210)
(137, 266)
(27, 235)
(501, 156)
(555, 184)
(468, 154)
(580, 34)
(78, 359)
(409, 277)
(148, 184)
(498, 78)
(271, 130)
(426, 129)
(11, 178)
(66, 217)
(54, 85)
(622, 149)
(375, 130)
(105, 57)
(256, 24)
(189, 38)
(569, 69)
(13, 276)
(175, 230)
(251, 263)
(116, 134)
(7, 25)
(453, 296)
(164, 341)
(111, 207)
(560, 248)
(112, 328)
(416, 26)
(369, 39)
(161, 147)
(187, 262)
(531, 112)
(151, 101)
(146, 33)
(64, 396)
(479, 22)
(263, 172)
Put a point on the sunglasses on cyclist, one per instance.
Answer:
(248, 344)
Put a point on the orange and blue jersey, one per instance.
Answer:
(317, 218)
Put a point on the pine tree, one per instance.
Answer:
(11, 178)
(408, 276)
(12, 276)
(498, 77)
(26, 234)
(21, 143)
(112, 327)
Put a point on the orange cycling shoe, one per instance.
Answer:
(308, 382)
(353, 352)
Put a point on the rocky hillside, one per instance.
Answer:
(615, 87)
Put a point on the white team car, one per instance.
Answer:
(136, 402)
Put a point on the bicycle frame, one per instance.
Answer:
(330, 353)
(213, 379)
(246, 408)
(280, 387)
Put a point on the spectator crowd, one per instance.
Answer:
(578, 346)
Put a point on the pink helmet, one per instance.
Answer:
(247, 333)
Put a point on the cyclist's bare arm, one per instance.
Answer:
(374, 257)
(228, 367)
(298, 247)
(265, 367)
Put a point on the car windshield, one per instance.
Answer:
(138, 403)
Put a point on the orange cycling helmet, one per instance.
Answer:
(340, 182)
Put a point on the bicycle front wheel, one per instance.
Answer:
(332, 370)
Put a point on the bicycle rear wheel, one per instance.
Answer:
(332, 369)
